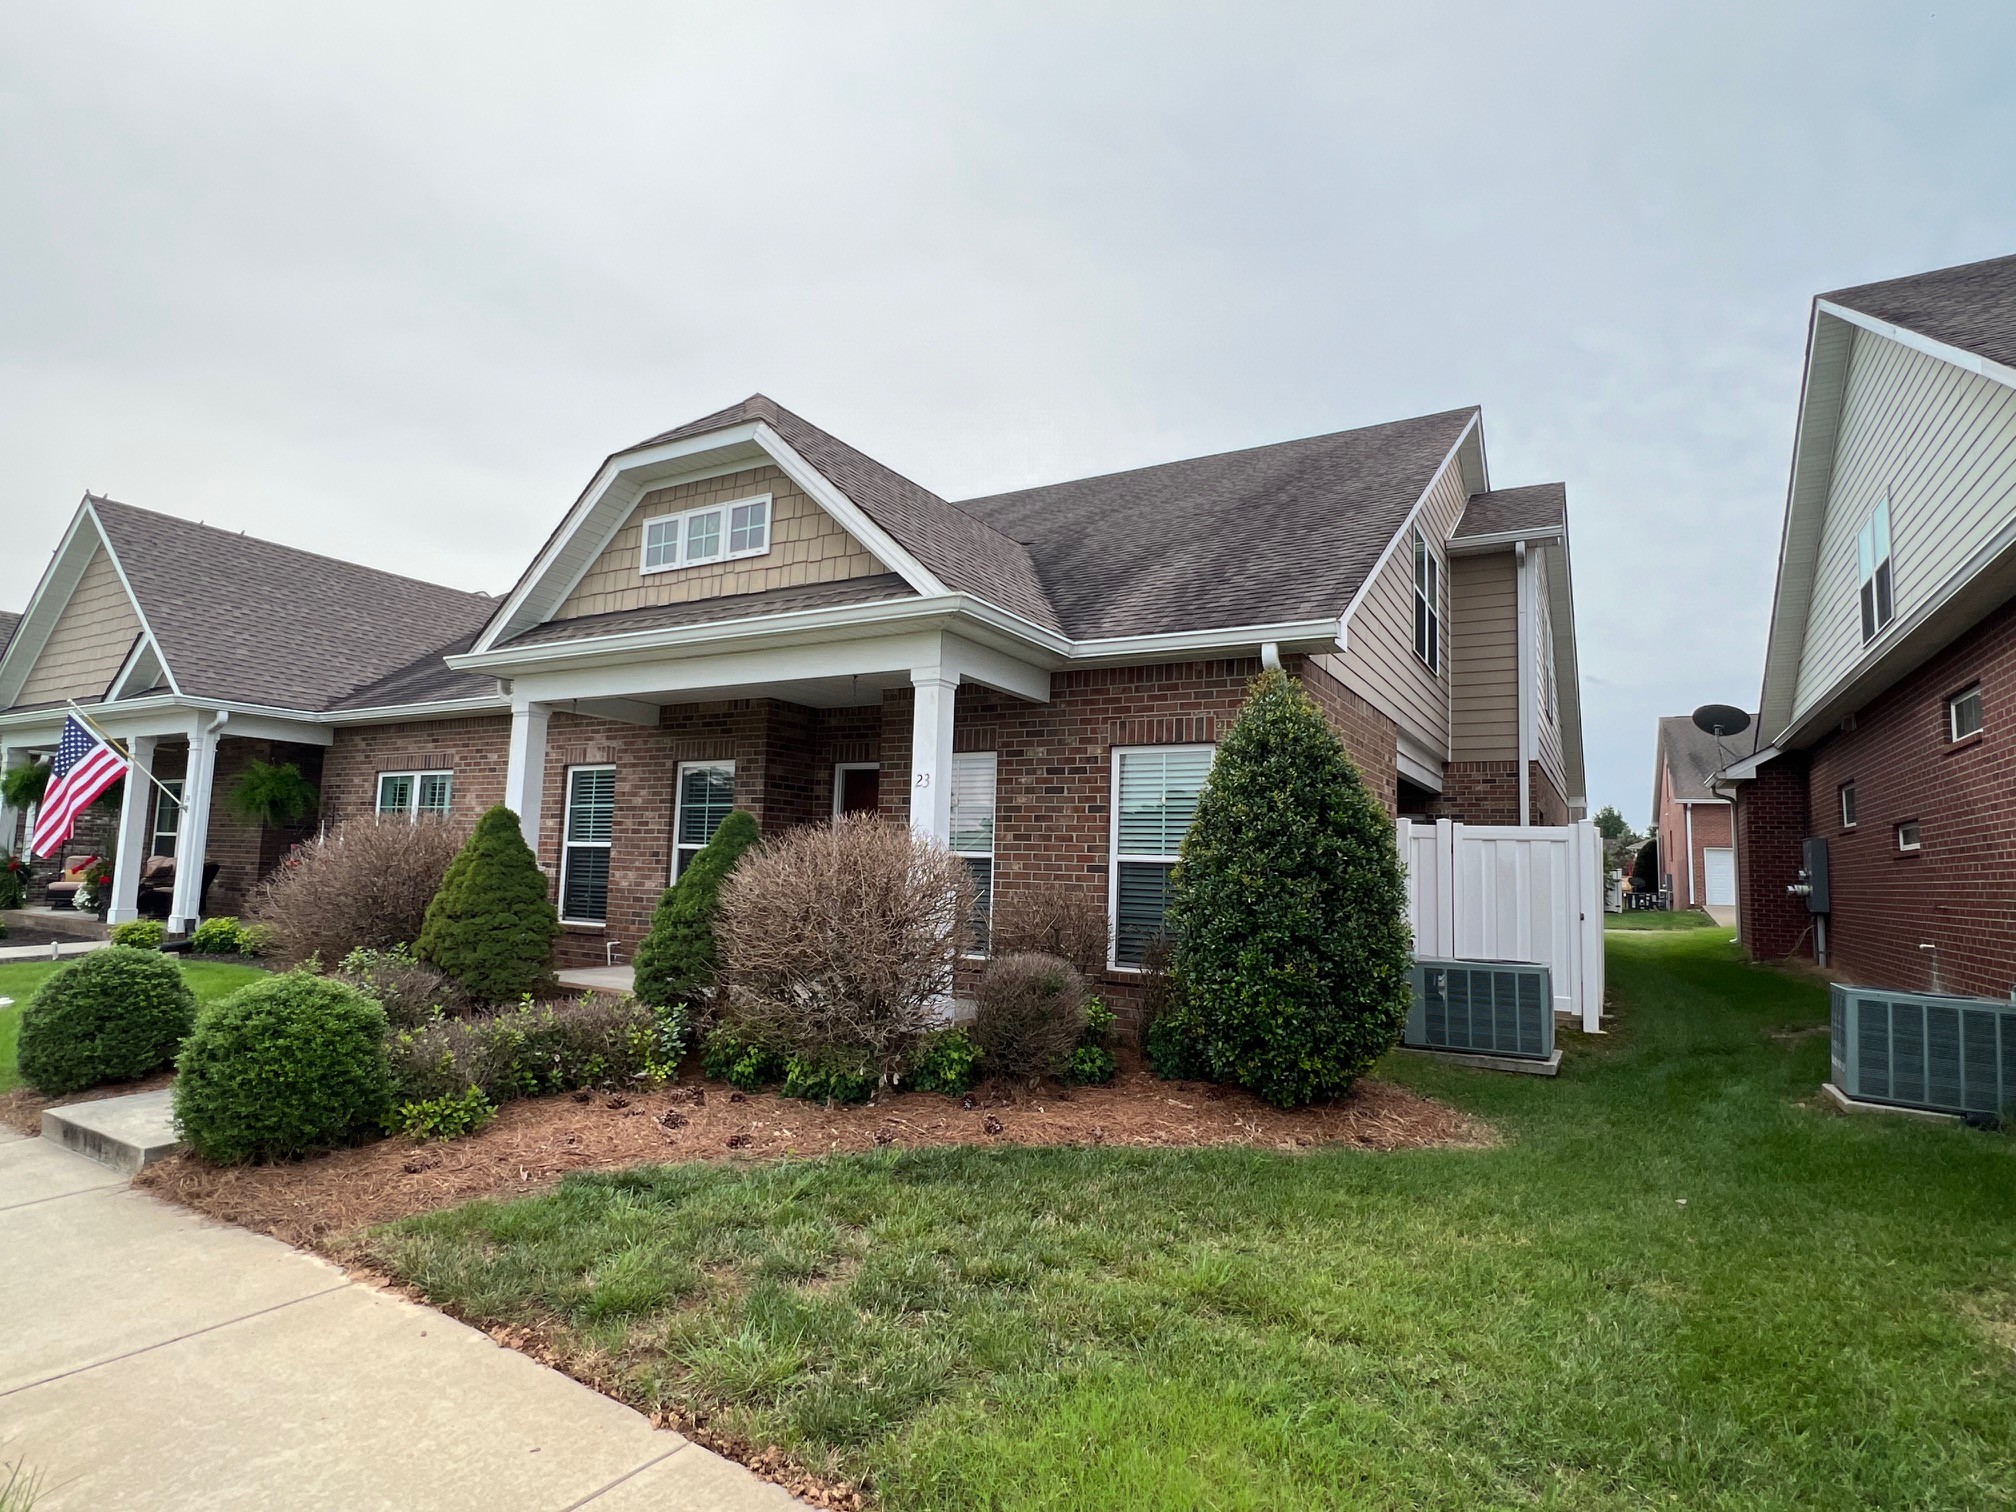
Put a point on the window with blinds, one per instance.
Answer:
(973, 834)
(589, 827)
(416, 795)
(1155, 791)
(706, 797)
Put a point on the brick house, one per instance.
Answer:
(1888, 721)
(1692, 820)
(746, 612)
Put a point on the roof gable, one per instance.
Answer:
(1971, 307)
(1691, 757)
(80, 625)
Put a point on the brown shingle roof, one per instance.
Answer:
(1264, 536)
(1504, 511)
(1694, 756)
(1972, 307)
(8, 620)
(247, 620)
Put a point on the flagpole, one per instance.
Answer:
(131, 765)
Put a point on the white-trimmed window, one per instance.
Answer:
(1847, 805)
(973, 834)
(1155, 791)
(705, 797)
(715, 533)
(1963, 714)
(416, 795)
(1907, 836)
(1427, 615)
(589, 828)
(1872, 566)
(167, 817)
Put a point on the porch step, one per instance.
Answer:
(126, 1133)
(67, 922)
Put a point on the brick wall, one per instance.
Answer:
(477, 751)
(1550, 804)
(1771, 824)
(1372, 739)
(243, 850)
(1478, 792)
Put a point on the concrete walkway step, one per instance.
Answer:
(126, 1133)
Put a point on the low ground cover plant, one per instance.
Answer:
(1092, 1062)
(1029, 1016)
(450, 1116)
(228, 936)
(114, 1015)
(1291, 947)
(595, 1040)
(492, 924)
(947, 1061)
(141, 934)
(679, 957)
(284, 1068)
(367, 883)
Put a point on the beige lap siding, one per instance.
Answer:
(90, 641)
(807, 545)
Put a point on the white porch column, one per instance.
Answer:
(10, 757)
(931, 754)
(192, 839)
(525, 774)
(135, 808)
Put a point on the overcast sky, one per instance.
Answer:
(389, 281)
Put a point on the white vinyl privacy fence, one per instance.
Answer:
(1492, 892)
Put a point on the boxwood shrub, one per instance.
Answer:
(113, 1015)
(283, 1068)
(141, 934)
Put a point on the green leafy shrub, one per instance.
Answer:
(257, 939)
(113, 1015)
(744, 1066)
(596, 1040)
(220, 936)
(274, 794)
(283, 1068)
(410, 991)
(1030, 1015)
(1092, 1062)
(947, 1061)
(829, 1079)
(492, 924)
(141, 934)
(445, 1117)
(677, 961)
(1174, 1049)
(1291, 941)
(13, 881)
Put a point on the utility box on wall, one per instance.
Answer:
(1813, 873)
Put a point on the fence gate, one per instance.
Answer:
(1497, 892)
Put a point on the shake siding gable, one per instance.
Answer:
(1484, 657)
(1379, 663)
(1940, 443)
(807, 545)
(91, 639)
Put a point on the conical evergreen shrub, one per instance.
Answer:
(1291, 942)
(677, 959)
(492, 924)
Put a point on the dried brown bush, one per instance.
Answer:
(408, 990)
(366, 882)
(839, 940)
(1158, 989)
(1052, 920)
(1031, 1015)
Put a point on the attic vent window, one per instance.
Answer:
(1872, 564)
(715, 533)
(1427, 605)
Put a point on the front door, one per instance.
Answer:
(857, 789)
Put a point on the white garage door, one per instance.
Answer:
(1721, 868)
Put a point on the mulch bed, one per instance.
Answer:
(21, 1109)
(533, 1142)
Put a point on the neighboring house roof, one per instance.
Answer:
(246, 620)
(8, 620)
(1694, 757)
(863, 590)
(1268, 535)
(1514, 511)
(1972, 306)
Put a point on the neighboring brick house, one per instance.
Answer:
(1888, 721)
(1693, 822)
(746, 612)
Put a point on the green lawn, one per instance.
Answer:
(1676, 1283)
(1659, 918)
(19, 979)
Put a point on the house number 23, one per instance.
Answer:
(923, 779)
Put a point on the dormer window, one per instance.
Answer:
(1872, 562)
(717, 533)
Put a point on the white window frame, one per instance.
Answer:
(412, 810)
(568, 844)
(1954, 733)
(1114, 855)
(1428, 594)
(726, 509)
(968, 760)
(1875, 575)
(1847, 799)
(679, 804)
(1917, 840)
(840, 771)
(167, 817)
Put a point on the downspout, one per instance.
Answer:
(1693, 893)
(1270, 656)
(1525, 672)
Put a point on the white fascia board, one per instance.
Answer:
(821, 490)
(1567, 657)
(1746, 769)
(139, 609)
(1319, 635)
(440, 708)
(1406, 525)
(1479, 545)
(1690, 802)
(1959, 357)
(45, 605)
(749, 666)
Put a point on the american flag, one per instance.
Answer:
(85, 767)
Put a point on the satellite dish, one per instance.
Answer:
(1720, 719)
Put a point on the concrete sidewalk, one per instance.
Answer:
(153, 1359)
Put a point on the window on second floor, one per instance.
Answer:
(1963, 714)
(716, 533)
(1872, 566)
(1427, 617)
